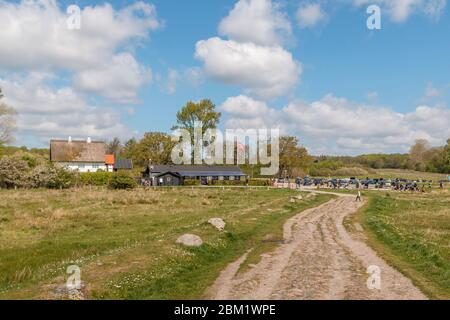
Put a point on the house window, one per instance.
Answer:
(226, 178)
(81, 166)
(95, 166)
(237, 178)
(232, 178)
(169, 179)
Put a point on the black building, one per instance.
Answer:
(123, 164)
(172, 175)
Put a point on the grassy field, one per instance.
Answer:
(409, 174)
(412, 232)
(124, 241)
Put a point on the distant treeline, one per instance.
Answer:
(422, 157)
(10, 150)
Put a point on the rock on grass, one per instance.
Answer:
(190, 240)
(218, 223)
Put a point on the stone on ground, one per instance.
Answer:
(218, 223)
(190, 240)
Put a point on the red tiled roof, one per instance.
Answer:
(109, 159)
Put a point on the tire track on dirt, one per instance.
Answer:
(318, 260)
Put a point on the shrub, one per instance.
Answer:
(52, 177)
(95, 178)
(192, 182)
(259, 183)
(13, 173)
(122, 180)
(64, 179)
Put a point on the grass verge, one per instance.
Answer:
(412, 233)
(124, 241)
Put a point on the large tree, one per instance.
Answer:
(192, 113)
(114, 147)
(293, 157)
(154, 146)
(7, 122)
(419, 154)
(446, 158)
(203, 111)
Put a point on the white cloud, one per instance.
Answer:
(30, 94)
(118, 79)
(257, 21)
(34, 36)
(45, 112)
(264, 71)
(252, 57)
(336, 125)
(309, 15)
(401, 10)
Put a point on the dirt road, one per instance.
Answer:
(318, 260)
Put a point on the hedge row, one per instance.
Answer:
(99, 179)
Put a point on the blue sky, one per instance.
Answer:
(338, 86)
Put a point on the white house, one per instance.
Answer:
(81, 155)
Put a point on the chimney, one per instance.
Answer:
(89, 140)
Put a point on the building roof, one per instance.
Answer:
(174, 174)
(123, 164)
(194, 171)
(77, 151)
(109, 159)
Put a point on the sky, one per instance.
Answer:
(311, 68)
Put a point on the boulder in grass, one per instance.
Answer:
(190, 240)
(218, 223)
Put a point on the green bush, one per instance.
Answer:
(192, 182)
(122, 180)
(64, 179)
(259, 183)
(99, 179)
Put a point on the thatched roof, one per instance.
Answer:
(77, 151)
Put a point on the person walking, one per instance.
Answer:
(358, 197)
